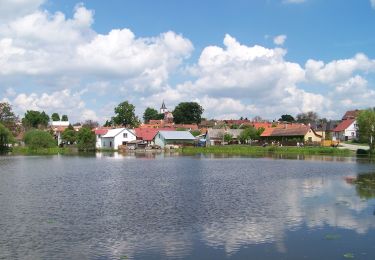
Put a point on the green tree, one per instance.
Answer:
(286, 118)
(69, 135)
(86, 139)
(55, 117)
(195, 132)
(6, 138)
(64, 118)
(8, 118)
(248, 134)
(228, 137)
(35, 119)
(366, 127)
(151, 114)
(125, 115)
(187, 113)
(108, 123)
(35, 139)
(306, 118)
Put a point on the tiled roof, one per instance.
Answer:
(288, 131)
(101, 131)
(147, 134)
(343, 125)
(352, 114)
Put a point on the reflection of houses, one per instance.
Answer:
(346, 130)
(291, 133)
(116, 137)
(216, 136)
(180, 138)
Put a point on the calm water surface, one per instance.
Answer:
(184, 207)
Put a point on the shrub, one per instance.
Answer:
(35, 139)
(86, 139)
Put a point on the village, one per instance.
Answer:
(165, 134)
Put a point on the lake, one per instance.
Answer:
(166, 206)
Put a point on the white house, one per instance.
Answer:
(346, 130)
(99, 132)
(116, 137)
(58, 128)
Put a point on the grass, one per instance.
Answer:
(23, 150)
(258, 150)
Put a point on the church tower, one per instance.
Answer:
(163, 108)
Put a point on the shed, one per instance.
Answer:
(180, 138)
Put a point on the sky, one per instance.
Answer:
(236, 58)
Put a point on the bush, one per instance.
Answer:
(35, 139)
(6, 138)
(86, 139)
(362, 152)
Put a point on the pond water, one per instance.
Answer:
(185, 207)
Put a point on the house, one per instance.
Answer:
(346, 130)
(116, 137)
(216, 136)
(147, 134)
(99, 132)
(180, 138)
(351, 114)
(297, 132)
(58, 127)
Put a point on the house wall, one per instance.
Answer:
(119, 139)
(98, 143)
(159, 140)
(312, 137)
(351, 133)
(107, 143)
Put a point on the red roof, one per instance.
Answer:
(343, 125)
(352, 114)
(148, 134)
(101, 131)
(286, 131)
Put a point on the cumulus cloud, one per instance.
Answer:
(63, 102)
(280, 39)
(15, 8)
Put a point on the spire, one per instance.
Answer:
(163, 106)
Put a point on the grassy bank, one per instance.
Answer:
(41, 151)
(258, 150)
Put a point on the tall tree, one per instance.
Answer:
(286, 118)
(8, 118)
(187, 113)
(108, 123)
(64, 118)
(151, 114)
(5, 138)
(125, 115)
(90, 124)
(366, 127)
(69, 135)
(307, 118)
(55, 117)
(35, 119)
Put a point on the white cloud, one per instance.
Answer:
(372, 3)
(280, 39)
(63, 102)
(9, 9)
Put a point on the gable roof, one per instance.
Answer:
(351, 114)
(177, 135)
(219, 133)
(148, 134)
(114, 132)
(343, 125)
(288, 131)
(101, 131)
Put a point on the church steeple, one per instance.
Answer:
(163, 108)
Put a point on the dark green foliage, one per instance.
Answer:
(234, 126)
(125, 115)
(55, 117)
(6, 138)
(108, 123)
(286, 118)
(151, 114)
(35, 139)
(366, 125)
(362, 152)
(187, 113)
(306, 118)
(35, 119)
(69, 135)
(86, 139)
(8, 118)
(64, 118)
(195, 132)
(365, 185)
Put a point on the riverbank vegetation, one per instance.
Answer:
(259, 150)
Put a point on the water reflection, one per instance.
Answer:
(120, 205)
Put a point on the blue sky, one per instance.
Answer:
(236, 58)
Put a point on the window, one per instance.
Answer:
(125, 135)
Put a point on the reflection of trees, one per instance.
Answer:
(365, 185)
